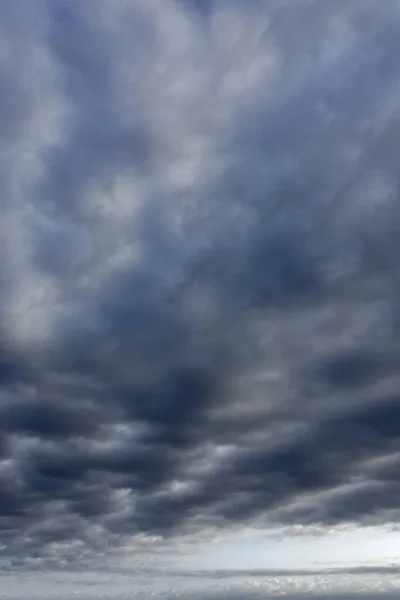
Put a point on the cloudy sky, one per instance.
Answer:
(199, 299)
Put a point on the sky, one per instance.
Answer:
(199, 299)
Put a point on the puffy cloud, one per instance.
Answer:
(199, 270)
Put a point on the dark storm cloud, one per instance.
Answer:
(200, 286)
(47, 419)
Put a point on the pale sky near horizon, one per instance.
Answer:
(249, 550)
(260, 550)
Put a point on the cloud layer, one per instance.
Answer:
(199, 278)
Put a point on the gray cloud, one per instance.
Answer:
(200, 270)
(355, 596)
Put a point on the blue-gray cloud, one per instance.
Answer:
(199, 236)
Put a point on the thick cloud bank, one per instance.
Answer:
(200, 242)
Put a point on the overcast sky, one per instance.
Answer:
(199, 298)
